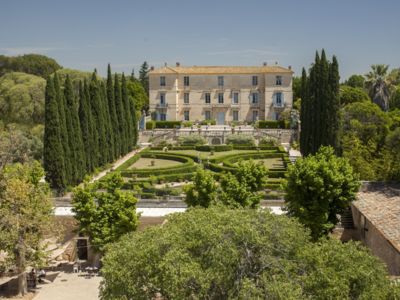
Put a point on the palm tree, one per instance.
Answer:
(379, 85)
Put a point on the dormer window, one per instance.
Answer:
(220, 80)
(186, 81)
(254, 80)
(278, 80)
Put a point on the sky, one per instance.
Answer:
(88, 34)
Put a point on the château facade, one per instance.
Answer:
(224, 94)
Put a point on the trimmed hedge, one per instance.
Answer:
(206, 122)
(231, 160)
(282, 124)
(216, 148)
(168, 124)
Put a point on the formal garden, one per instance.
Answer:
(161, 171)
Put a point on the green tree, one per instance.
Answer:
(53, 153)
(379, 85)
(318, 189)
(35, 64)
(26, 210)
(138, 94)
(395, 98)
(218, 253)
(350, 94)
(113, 114)
(144, 77)
(63, 130)
(119, 107)
(320, 106)
(355, 81)
(22, 98)
(74, 134)
(203, 190)
(105, 216)
(128, 130)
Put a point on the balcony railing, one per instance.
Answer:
(278, 105)
(162, 105)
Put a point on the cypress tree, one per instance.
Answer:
(113, 114)
(98, 120)
(63, 129)
(94, 136)
(127, 115)
(84, 120)
(134, 122)
(74, 133)
(334, 105)
(108, 125)
(119, 107)
(53, 154)
(305, 114)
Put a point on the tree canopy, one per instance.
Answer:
(26, 211)
(350, 94)
(105, 216)
(318, 188)
(35, 64)
(22, 98)
(218, 253)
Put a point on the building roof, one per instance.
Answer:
(380, 204)
(209, 70)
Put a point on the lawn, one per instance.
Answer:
(145, 163)
(271, 163)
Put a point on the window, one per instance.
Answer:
(186, 115)
(207, 115)
(220, 80)
(278, 99)
(235, 114)
(235, 98)
(163, 117)
(220, 97)
(162, 80)
(255, 80)
(208, 98)
(278, 80)
(254, 98)
(186, 98)
(162, 98)
(186, 81)
(255, 115)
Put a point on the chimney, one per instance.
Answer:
(290, 67)
(178, 64)
(152, 68)
(165, 64)
(264, 64)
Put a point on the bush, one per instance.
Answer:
(168, 124)
(187, 124)
(240, 139)
(208, 122)
(191, 140)
(150, 125)
(267, 141)
(219, 253)
(273, 124)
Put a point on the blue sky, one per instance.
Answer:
(89, 34)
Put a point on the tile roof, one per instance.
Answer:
(380, 204)
(204, 70)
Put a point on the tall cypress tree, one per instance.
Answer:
(119, 107)
(63, 129)
(127, 115)
(98, 120)
(53, 154)
(320, 106)
(74, 133)
(84, 121)
(94, 136)
(113, 114)
(107, 123)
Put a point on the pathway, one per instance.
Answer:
(70, 286)
(116, 164)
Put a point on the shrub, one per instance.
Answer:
(168, 124)
(240, 139)
(150, 125)
(267, 141)
(273, 124)
(191, 140)
(208, 122)
(187, 124)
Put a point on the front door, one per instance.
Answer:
(221, 118)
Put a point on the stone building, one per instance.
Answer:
(223, 94)
(376, 216)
